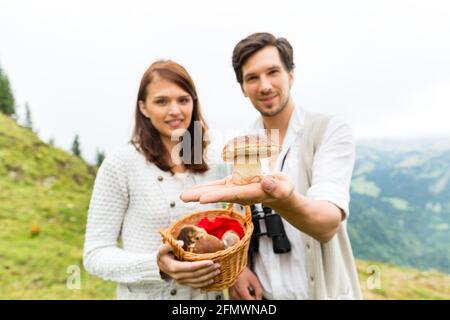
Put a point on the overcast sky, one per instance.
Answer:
(383, 66)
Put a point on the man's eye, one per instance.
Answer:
(273, 72)
(251, 79)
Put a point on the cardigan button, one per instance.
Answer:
(308, 246)
(218, 297)
(172, 204)
(160, 178)
(173, 292)
(312, 279)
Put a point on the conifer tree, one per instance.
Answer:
(100, 157)
(76, 150)
(7, 103)
(28, 121)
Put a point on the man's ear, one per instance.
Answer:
(142, 108)
(291, 78)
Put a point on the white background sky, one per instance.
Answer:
(383, 66)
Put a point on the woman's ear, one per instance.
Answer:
(142, 108)
(243, 91)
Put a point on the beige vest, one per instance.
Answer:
(331, 266)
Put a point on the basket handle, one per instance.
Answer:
(177, 249)
(230, 206)
(248, 212)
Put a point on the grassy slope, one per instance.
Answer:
(401, 283)
(46, 188)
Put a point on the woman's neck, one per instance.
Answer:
(175, 161)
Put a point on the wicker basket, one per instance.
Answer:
(232, 260)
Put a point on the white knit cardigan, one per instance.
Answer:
(131, 200)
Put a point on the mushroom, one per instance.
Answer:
(189, 234)
(197, 240)
(208, 244)
(230, 238)
(245, 152)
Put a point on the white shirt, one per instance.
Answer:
(284, 276)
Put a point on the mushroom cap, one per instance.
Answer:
(207, 244)
(256, 145)
(190, 234)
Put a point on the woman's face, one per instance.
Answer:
(168, 107)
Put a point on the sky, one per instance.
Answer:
(383, 66)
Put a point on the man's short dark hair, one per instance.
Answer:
(257, 41)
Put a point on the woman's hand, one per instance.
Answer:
(194, 274)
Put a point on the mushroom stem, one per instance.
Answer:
(246, 172)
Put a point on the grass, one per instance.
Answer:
(402, 283)
(44, 199)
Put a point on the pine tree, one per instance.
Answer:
(6, 96)
(100, 157)
(76, 146)
(28, 121)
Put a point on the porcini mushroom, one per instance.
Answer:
(230, 238)
(245, 152)
(197, 240)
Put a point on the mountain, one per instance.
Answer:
(400, 203)
(44, 197)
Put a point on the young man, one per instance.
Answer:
(310, 192)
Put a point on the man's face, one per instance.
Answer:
(266, 82)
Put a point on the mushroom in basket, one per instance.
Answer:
(230, 238)
(197, 240)
(211, 235)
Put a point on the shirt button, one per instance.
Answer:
(172, 204)
(173, 292)
(160, 178)
(218, 297)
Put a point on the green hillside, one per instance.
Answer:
(47, 189)
(44, 196)
(381, 281)
(400, 208)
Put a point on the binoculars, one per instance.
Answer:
(274, 230)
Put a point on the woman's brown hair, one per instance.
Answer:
(146, 138)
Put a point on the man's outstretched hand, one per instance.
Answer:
(319, 219)
(272, 189)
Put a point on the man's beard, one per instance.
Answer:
(273, 113)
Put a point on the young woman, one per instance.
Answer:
(137, 191)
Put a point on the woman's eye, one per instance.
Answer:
(184, 100)
(161, 102)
